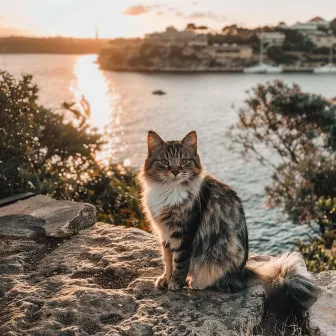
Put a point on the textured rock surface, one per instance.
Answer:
(101, 282)
(42, 215)
(323, 312)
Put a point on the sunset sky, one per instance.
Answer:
(128, 18)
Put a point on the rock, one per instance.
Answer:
(22, 226)
(323, 312)
(101, 282)
(42, 215)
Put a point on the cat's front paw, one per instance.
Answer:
(161, 282)
(174, 285)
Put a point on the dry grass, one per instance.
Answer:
(271, 325)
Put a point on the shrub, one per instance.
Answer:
(42, 153)
(301, 129)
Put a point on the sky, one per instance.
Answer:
(129, 18)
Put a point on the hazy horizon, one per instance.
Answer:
(79, 18)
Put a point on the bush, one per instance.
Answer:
(277, 55)
(301, 129)
(42, 153)
(295, 41)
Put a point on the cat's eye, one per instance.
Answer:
(184, 162)
(165, 162)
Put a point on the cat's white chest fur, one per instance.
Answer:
(160, 197)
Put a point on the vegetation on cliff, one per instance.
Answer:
(301, 128)
(43, 152)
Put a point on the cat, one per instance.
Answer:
(201, 225)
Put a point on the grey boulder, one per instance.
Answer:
(44, 216)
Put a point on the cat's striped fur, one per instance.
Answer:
(201, 224)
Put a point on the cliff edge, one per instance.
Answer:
(63, 275)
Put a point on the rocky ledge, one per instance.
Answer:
(63, 276)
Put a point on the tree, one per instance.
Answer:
(297, 42)
(202, 27)
(300, 129)
(230, 30)
(42, 153)
(278, 55)
(333, 25)
(190, 27)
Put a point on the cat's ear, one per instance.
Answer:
(190, 141)
(154, 142)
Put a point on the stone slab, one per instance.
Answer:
(42, 215)
(323, 312)
(101, 282)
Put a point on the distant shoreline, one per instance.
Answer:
(240, 70)
(47, 53)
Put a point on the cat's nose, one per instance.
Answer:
(175, 172)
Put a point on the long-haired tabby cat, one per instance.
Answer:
(201, 224)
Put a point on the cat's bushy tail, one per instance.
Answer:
(290, 288)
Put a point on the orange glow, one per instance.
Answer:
(92, 85)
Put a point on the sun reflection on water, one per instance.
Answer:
(104, 104)
(92, 85)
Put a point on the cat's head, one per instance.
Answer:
(172, 162)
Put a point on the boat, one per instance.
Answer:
(262, 67)
(159, 92)
(328, 68)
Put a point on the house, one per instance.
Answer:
(224, 52)
(319, 22)
(308, 27)
(174, 37)
(274, 38)
(322, 39)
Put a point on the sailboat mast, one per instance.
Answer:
(331, 54)
(261, 48)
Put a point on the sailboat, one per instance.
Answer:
(262, 67)
(328, 68)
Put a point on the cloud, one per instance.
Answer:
(140, 10)
(201, 15)
(207, 15)
(136, 10)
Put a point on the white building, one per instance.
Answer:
(321, 39)
(224, 52)
(319, 22)
(174, 37)
(308, 27)
(274, 38)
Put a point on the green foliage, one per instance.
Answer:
(294, 41)
(278, 55)
(320, 253)
(42, 153)
(301, 129)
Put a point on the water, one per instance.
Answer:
(123, 104)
